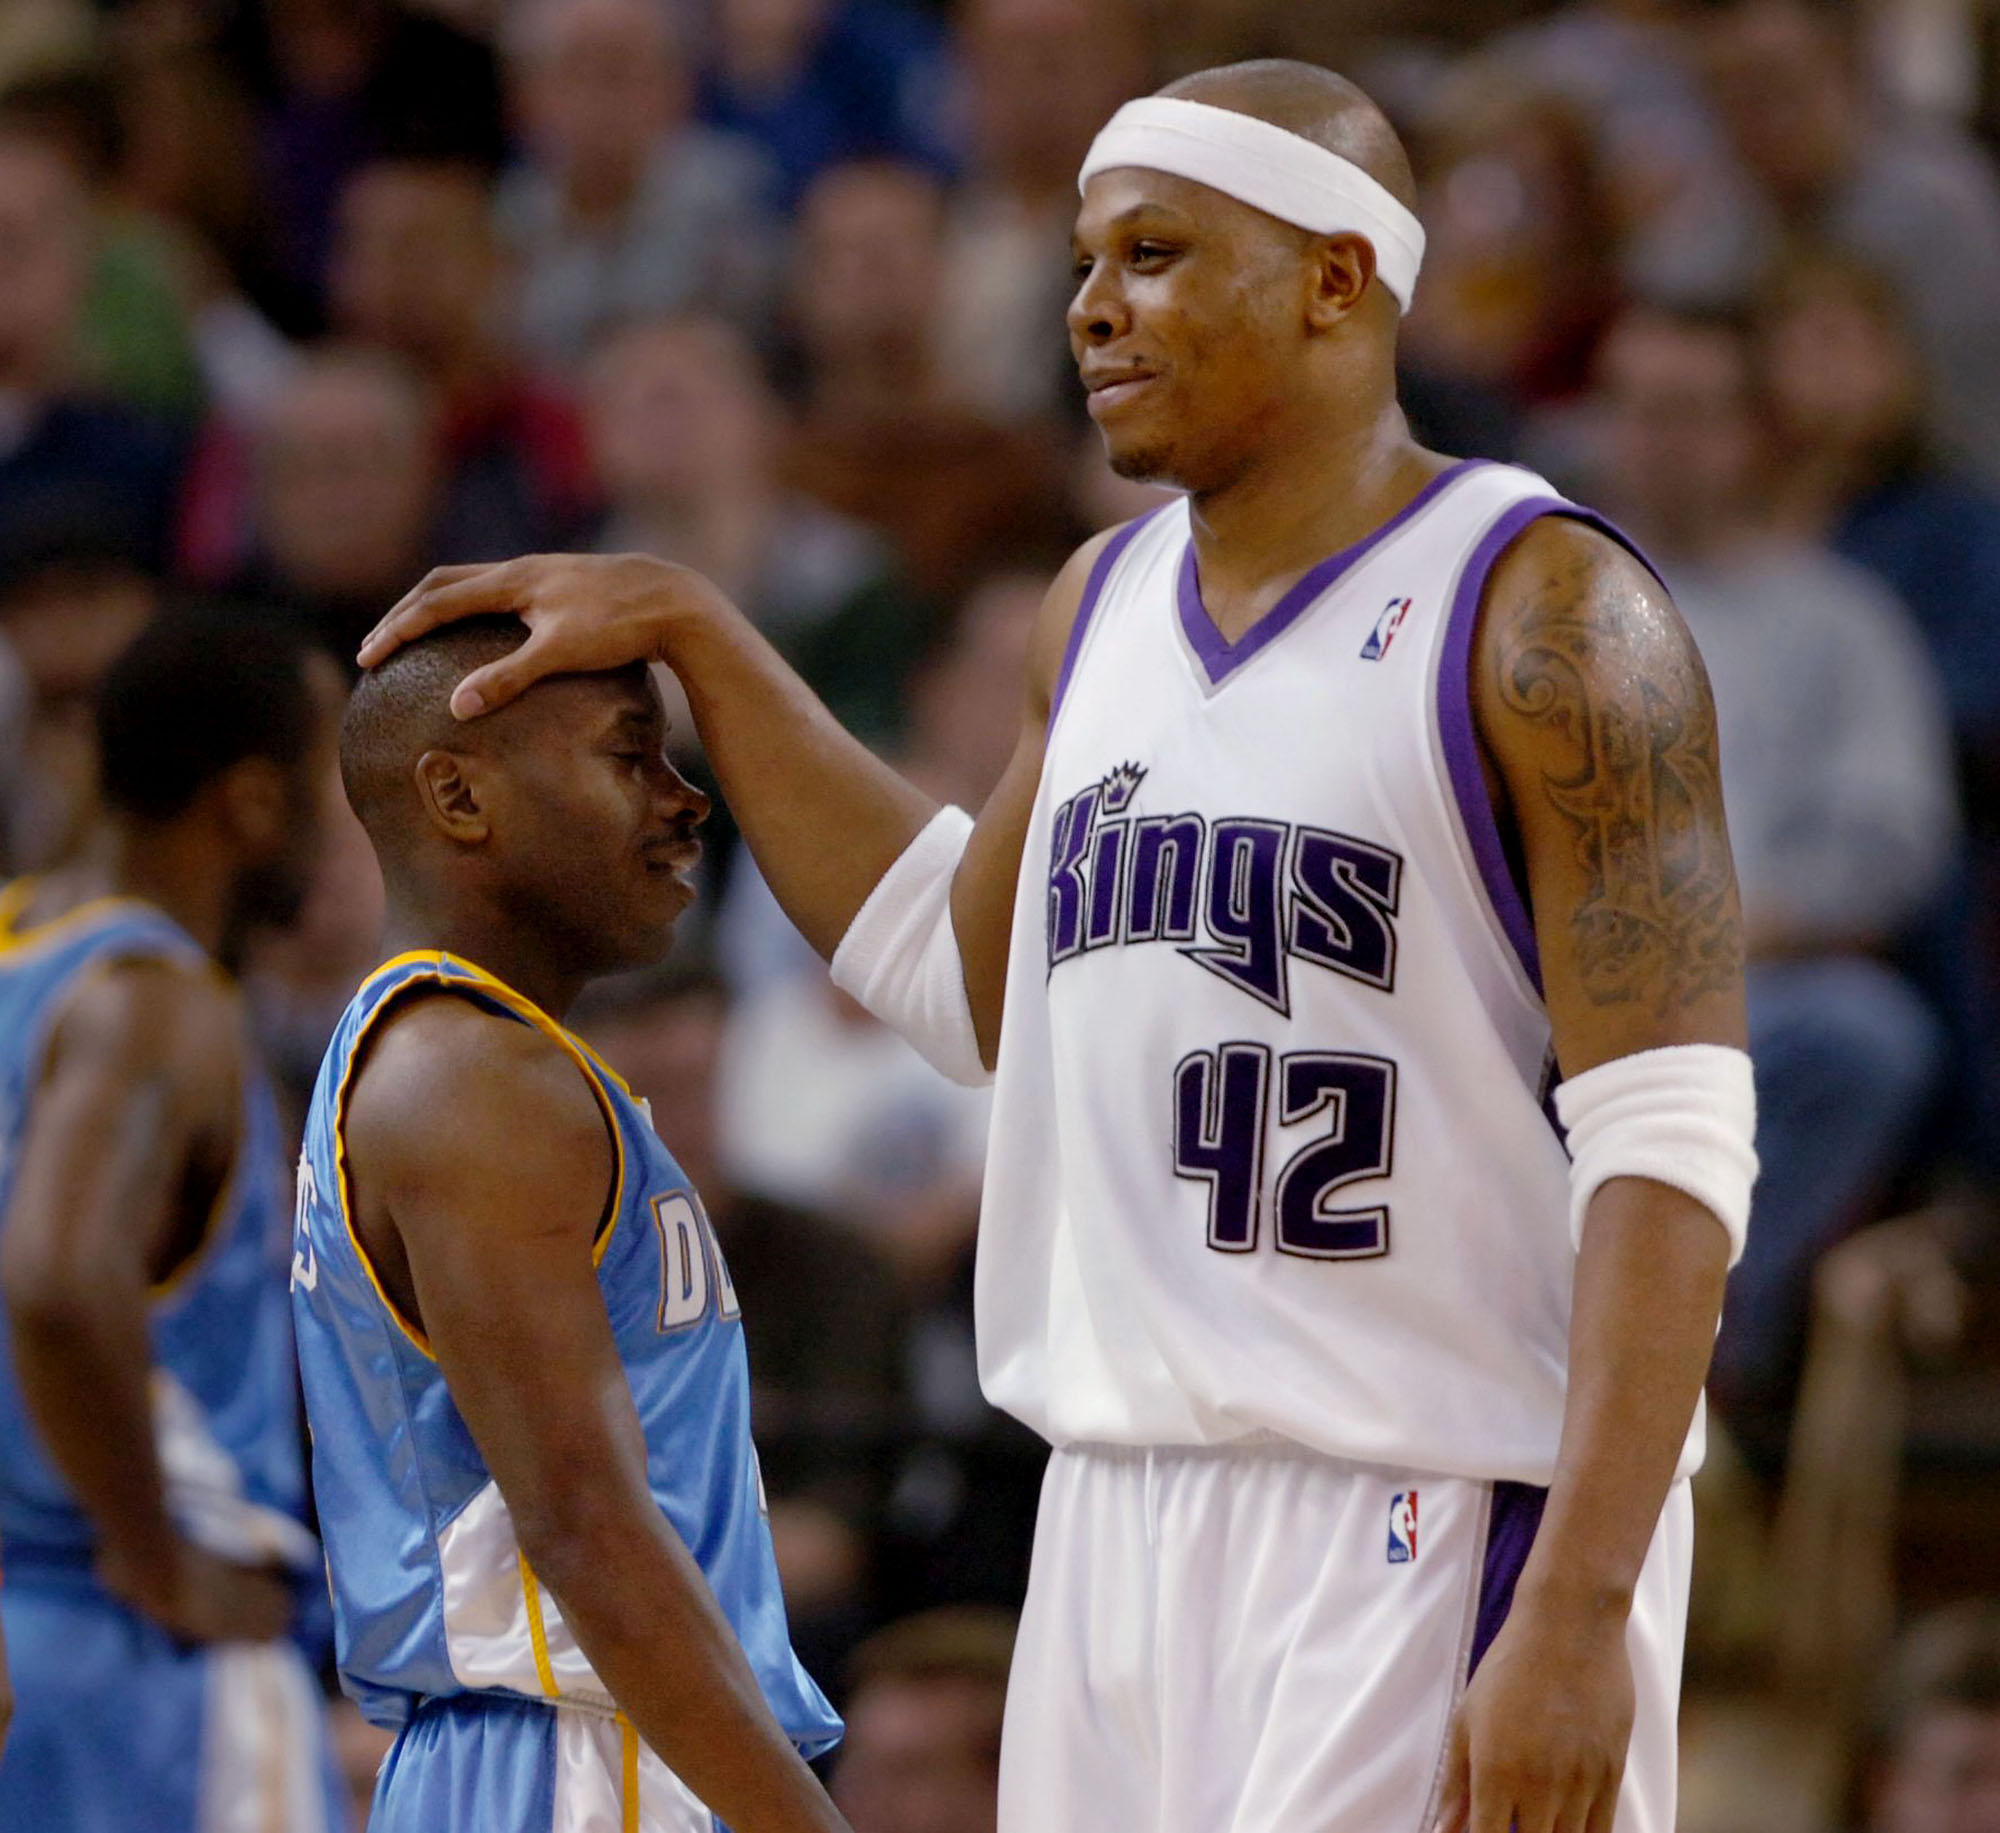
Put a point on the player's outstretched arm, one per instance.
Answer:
(824, 817)
(482, 1212)
(1599, 732)
(129, 1085)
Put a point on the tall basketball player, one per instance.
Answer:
(152, 1477)
(523, 1358)
(1367, 800)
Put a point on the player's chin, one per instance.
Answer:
(1139, 456)
(662, 900)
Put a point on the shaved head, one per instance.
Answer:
(402, 709)
(1316, 105)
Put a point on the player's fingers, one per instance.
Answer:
(507, 679)
(1455, 1802)
(1602, 1810)
(1495, 1799)
(1538, 1809)
(443, 594)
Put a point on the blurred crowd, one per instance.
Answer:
(299, 298)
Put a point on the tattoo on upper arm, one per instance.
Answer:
(1627, 746)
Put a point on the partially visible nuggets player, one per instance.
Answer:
(152, 1479)
(1365, 821)
(524, 1365)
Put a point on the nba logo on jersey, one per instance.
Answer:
(1385, 630)
(1402, 1524)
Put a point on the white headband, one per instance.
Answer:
(1282, 174)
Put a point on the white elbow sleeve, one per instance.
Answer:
(1684, 1116)
(900, 956)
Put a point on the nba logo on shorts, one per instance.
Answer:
(1402, 1527)
(1385, 630)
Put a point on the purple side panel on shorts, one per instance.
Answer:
(1455, 727)
(1093, 590)
(1219, 657)
(1510, 1536)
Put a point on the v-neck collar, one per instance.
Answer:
(1218, 657)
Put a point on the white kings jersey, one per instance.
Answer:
(1272, 1153)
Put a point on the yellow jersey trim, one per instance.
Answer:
(628, 1765)
(469, 975)
(343, 1179)
(594, 1070)
(17, 896)
(538, 1635)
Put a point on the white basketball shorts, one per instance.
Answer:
(1261, 1640)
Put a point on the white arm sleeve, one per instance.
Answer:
(1684, 1116)
(900, 957)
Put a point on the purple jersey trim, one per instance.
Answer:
(1093, 590)
(1514, 1518)
(1454, 711)
(1219, 657)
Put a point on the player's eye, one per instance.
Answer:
(1152, 254)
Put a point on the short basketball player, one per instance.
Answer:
(523, 1362)
(152, 1479)
(1366, 800)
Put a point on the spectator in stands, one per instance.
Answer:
(1790, 79)
(1041, 77)
(686, 435)
(344, 480)
(70, 465)
(882, 437)
(964, 719)
(1857, 470)
(1934, 1765)
(134, 335)
(824, 1107)
(1836, 771)
(624, 207)
(1681, 206)
(65, 616)
(967, 691)
(416, 269)
(1519, 276)
(824, 1319)
(815, 82)
(186, 168)
(333, 84)
(922, 1752)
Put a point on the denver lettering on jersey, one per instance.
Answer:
(1241, 895)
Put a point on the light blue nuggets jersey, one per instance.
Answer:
(432, 1597)
(225, 1398)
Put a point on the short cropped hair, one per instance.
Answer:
(200, 689)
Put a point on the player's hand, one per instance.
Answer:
(1539, 1741)
(584, 612)
(197, 1597)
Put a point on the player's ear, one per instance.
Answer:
(450, 798)
(1342, 266)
